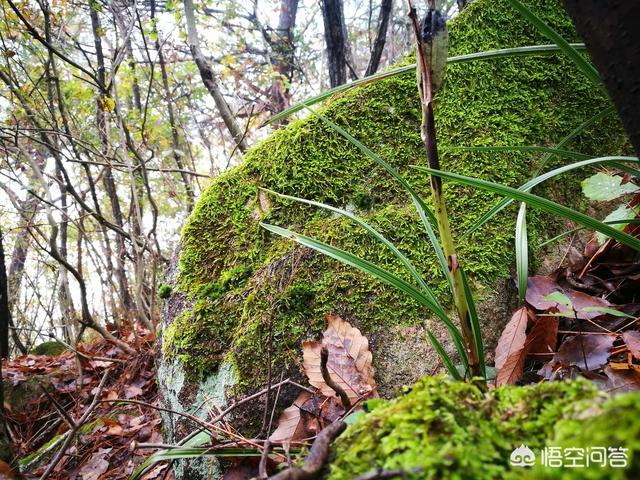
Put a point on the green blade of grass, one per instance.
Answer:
(374, 233)
(444, 356)
(583, 65)
(475, 322)
(379, 273)
(529, 50)
(522, 252)
(182, 453)
(541, 178)
(521, 148)
(577, 229)
(540, 203)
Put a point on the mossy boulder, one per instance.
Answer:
(241, 296)
(444, 429)
(50, 348)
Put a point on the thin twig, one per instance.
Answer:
(344, 398)
(75, 428)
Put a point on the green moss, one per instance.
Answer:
(165, 291)
(517, 101)
(51, 348)
(456, 431)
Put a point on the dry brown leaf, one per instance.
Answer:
(96, 466)
(349, 363)
(513, 337)
(512, 369)
(632, 339)
(622, 380)
(295, 423)
(587, 352)
(543, 336)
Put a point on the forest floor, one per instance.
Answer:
(108, 409)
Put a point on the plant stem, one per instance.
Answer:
(428, 134)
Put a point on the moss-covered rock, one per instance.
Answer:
(52, 348)
(241, 295)
(443, 429)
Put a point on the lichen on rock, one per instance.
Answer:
(242, 295)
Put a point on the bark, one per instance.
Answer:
(5, 313)
(210, 80)
(18, 260)
(6, 453)
(175, 136)
(381, 37)
(108, 180)
(611, 34)
(335, 39)
(282, 55)
(462, 4)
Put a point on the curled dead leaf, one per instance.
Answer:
(349, 364)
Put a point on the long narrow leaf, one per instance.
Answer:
(541, 178)
(424, 212)
(521, 148)
(182, 453)
(444, 356)
(475, 322)
(374, 233)
(377, 272)
(530, 50)
(522, 251)
(584, 66)
(540, 203)
(577, 229)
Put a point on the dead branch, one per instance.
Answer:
(318, 455)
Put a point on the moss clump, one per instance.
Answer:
(456, 431)
(509, 101)
(165, 291)
(50, 348)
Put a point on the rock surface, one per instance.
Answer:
(241, 296)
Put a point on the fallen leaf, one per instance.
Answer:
(349, 363)
(132, 391)
(513, 337)
(539, 288)
(96, 466)
(622, 380)
(543, 336)
(632, 339)
(510, 351)
(587, 352)
(293, 424)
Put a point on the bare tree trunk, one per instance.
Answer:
(5, 312)
(109, 182)
(209, 79)
(6, 453)
(175, 136)
(282, 55)
(27, 212)
(610, 31)
(335, 39)
(381, 37)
